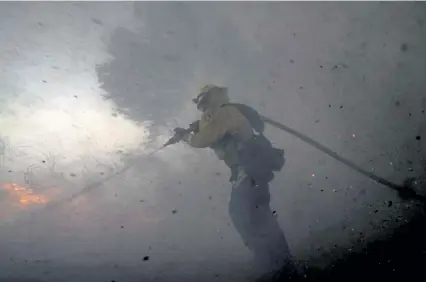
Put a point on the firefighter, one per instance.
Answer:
(235, 133)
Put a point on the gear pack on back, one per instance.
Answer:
(259, 158)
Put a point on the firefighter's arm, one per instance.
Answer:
(212, 132)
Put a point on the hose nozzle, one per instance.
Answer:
(179, 134)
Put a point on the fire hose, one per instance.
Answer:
(405, 191)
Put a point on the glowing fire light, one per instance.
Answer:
(25, 196)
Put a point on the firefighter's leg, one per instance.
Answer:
(271, 242)
(257, 226)
(239, 211)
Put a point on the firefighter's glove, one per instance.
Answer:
(194, 127)
(181, 134)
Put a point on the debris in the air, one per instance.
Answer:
(73, 174)
(353, 135)
(146, 258)
(97, 21)
(122, 227)
(313, 174)
(418, 137)
(334, 190)
(174, 211)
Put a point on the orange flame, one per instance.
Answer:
(25, 196)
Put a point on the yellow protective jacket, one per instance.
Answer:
(223, 128)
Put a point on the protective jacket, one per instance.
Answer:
(222, 127)
(228, 130)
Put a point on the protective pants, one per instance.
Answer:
(257, 225)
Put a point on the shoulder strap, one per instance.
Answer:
(251, 115)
